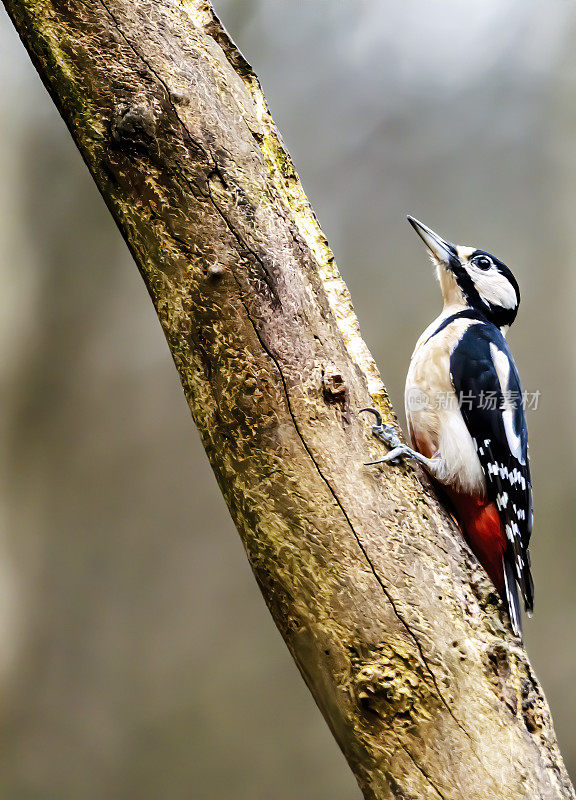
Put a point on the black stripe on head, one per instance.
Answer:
(466, 283)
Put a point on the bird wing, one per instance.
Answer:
(487, 384)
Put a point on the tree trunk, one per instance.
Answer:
(395, 628)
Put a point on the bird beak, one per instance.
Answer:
(442, 250)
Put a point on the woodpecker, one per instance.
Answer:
(465, 412)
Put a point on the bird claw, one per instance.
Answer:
(389, 435)
(394, 457)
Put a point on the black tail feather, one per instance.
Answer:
(527, 585)
(512, 599)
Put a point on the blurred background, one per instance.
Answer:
(137, 658)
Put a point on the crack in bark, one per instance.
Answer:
(240, 240)
(209, 157)
(423, 771)
(362, 547)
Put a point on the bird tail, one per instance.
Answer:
(512, 598)
(527, 584)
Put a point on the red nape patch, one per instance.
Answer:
(484, 531)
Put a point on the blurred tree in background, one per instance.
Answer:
(138, 658)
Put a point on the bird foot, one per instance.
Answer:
(389, 435)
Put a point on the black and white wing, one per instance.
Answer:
(487, 384)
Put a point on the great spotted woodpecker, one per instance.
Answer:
(465, 412)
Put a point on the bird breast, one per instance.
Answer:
(437, 427)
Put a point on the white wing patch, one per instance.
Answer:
(502, 365)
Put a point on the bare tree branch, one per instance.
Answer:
(395, 628)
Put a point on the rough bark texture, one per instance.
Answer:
(395, 628)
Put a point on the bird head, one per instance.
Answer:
(472, 278)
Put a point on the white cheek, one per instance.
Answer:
(494, 288)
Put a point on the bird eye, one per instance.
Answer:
(483, 262)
